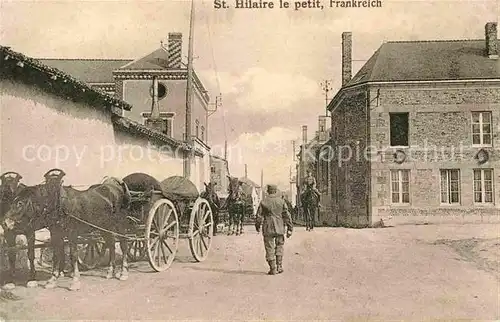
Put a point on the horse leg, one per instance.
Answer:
(241, 223)
(231, 224)
(31, 256)
(110, 244)
(308, 218)
(124, 249)
(216, 222)
(57, 243)
(10, 238)
(242, 219)
(73, 248)
(313, 218)
(237, 219)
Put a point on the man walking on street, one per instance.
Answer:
(273, 216)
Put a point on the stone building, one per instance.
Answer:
(158, 78)
(219, 172)
(416, 133)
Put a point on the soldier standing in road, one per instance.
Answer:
(274, 217)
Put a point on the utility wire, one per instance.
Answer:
(215, 71)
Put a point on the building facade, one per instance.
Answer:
(416, 133)
(158, 79)
(219, 172)
(51, 120)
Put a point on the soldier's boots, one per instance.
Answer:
(279, 264)
(272, 268)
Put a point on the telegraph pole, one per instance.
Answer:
(189, 96)
(326, 86)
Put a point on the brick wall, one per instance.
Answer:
(440, 137)
(349, 169)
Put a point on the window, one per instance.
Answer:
(481, 128)
(400, 186)
(483, 185)
(212, 169)
(162, 91)
(450, 186)
(167, 118)
(399, 129)
(203, 133)
(197, 128)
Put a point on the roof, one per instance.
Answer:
(98, 71)
(144, 131)
(249, 182)
(218, 157)
(158, 59)
(428, 60)
(32, 71)
(88, 70)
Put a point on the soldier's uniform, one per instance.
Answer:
(310, 182)
(273, 216)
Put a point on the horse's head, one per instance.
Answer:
(122, 186)
(8, 191)
(234, 184)
(24, 208)
(210, 193)
(9, 185)
(309, 198)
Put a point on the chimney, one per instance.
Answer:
(174, 50)
(491, 40)
(262, 179)
(304, 135)
(346, 57)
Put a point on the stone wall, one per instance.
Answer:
(349, 169)
(440, 137)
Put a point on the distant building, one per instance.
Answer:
(314, 156)
(253, 192)
(429, 112)
(219, 172)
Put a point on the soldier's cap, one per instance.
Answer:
(272, 188)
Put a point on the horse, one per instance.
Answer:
(309, 204)
(235, 205)
(9, 188)
(70, 213)
(213, 200)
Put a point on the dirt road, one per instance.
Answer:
(406, 272)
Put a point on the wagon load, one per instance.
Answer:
(179, 188)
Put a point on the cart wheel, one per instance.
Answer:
(201, 228)
(90, 254)
(162, 234)
(136, 250)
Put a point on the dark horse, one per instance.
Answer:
(213, 200)
(69, 213)
(309, 204)
(9, 188)
(235, 205)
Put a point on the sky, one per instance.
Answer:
(267, 64)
